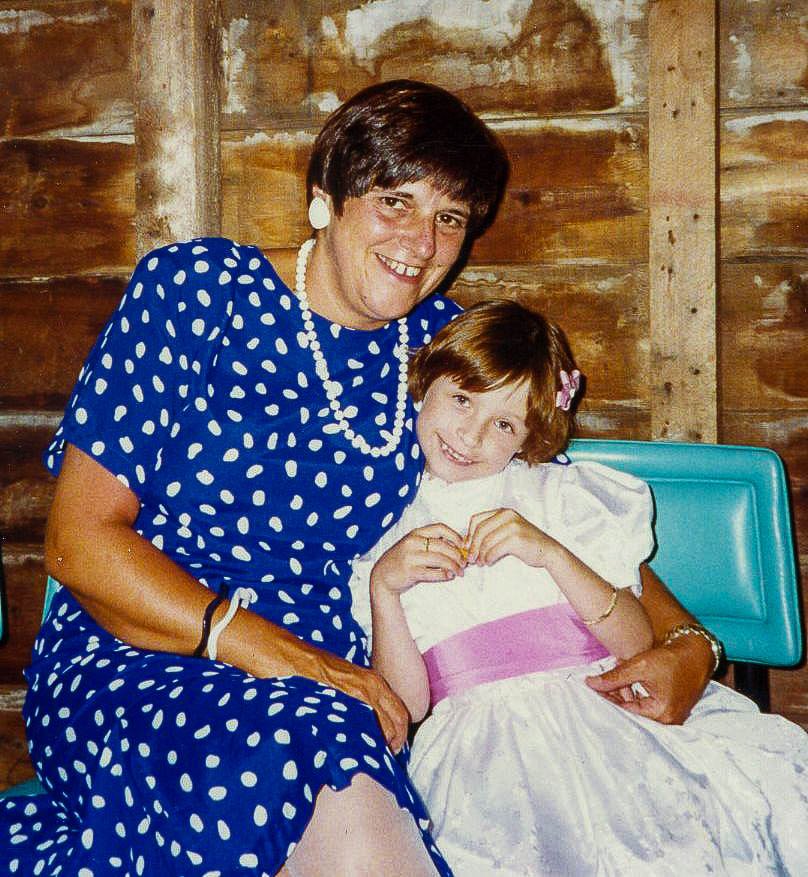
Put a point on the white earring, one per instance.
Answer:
(319, 214)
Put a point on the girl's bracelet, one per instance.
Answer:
(606, 612)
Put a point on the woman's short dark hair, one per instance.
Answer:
(404, 131)
(499, 342)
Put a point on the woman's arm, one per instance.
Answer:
(141, 596)
(674, 675)
(618, 619)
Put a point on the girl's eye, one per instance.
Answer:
(504, 426)
(461, 399)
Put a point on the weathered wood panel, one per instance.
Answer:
(24, 576)
(26, 487)
(68, 207)
(763, 53)
(764, 185)
(15, 765)
(551, 211)
(175, 54)
(682, 257)
(47, 330)
(289, 59)
(64, 67)
(764, 336)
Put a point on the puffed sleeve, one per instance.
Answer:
(148, 362)
(605, 517)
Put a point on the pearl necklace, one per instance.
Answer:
(333, 389)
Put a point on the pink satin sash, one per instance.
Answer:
(539, 639)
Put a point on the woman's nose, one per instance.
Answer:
(419, 236)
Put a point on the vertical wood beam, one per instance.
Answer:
(682, 207)
(175, 57)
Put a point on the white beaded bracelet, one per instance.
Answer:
(241, 599)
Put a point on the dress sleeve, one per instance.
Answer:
(605, 517)
(147, 364)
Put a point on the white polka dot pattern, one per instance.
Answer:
(200, 398)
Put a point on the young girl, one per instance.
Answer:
(507, 581)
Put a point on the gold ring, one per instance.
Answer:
(426, 539)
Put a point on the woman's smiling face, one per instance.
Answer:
(465, 434)
(387, 252)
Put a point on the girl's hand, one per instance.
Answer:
(494, 534)
(428, 554)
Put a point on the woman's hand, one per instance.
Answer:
(494, 534)
(671, 683)
(427, 554)
(371, 688)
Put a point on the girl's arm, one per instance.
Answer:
(625, 630)
(428, 554)
(674, 675)
(141, 596)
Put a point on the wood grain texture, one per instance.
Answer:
(763, 53)
(64, 68)
(682, 216)
(26, 487)
(764, 336)
(291, 60)
(46, 332)
(15, 765)
(68, 207)
(764, 185)
(24, 582)
(551, 213)
(176, 86)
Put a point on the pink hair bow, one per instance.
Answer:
(570, 384)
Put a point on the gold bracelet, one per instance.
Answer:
(606, 612)
(699, 630)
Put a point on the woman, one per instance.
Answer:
(229, 433)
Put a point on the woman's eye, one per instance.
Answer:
(450, 220)
(393, 202)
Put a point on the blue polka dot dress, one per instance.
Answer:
(201, 397)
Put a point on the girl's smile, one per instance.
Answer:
(466, 434)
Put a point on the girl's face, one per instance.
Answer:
(467, 435)
(387, 252)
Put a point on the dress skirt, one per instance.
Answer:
(538, 775)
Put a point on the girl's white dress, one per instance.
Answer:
(537, 774)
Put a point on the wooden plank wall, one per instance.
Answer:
(564, 83)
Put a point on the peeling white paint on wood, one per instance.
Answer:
(743, 124)
(234, 63)
(23, 21)
(742, 62)
(615, 20)
(491, 23)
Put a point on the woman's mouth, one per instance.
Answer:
(451, 454)
(399, 268)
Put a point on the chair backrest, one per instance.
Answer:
(724, 541)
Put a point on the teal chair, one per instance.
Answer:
(724, 547)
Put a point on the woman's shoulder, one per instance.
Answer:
(430, 315)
